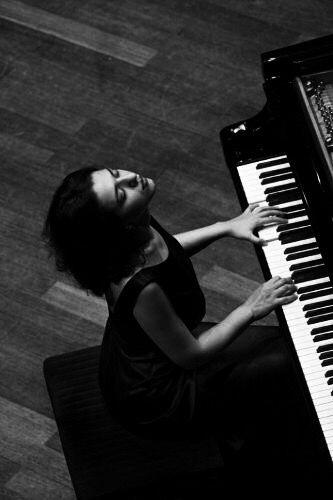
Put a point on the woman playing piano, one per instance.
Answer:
(161, 369)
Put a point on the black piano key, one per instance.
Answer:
(292, 225)
(327, 362)
(317, 305)
(271, 163)
(296, 235)
(274, 173)
(283, 197)
(306, 265)
(300, 255)
(322, 337)
(293, 215)
(321, 329)
(283, 187)
(276, 178)
(320, 319)
(293, 208)
(330, 381)
(324, 348)
(319, 312)
(326, 355)
(313, 273)
(314, 287)
(298, 248)
(329, 374)
(313, 295)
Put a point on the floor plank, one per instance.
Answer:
(23, 434)
(77, 302)
(77, 33)
(32, 486)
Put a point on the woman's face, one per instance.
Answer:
(126, 193)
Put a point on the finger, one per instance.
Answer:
(287, 299)
(271, 219)
(285, 290)
(270, 209)
(256, 209)
(279, 282)
(256, 240)
(252, 206)
(286, 280)
(273, 213)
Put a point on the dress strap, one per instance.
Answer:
(132, 289)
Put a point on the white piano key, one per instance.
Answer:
(308, 357)
(325, 420)
(276, 264)
(327, 426)
(321, 391)
(327, 412)
(323, 401)
(329, 434)
(252, 182)
(304, 242)
(274, 251)
(288, 204)
(298, 219)
(318, 281)
(300, 330)
(314, 300)
(252, 166)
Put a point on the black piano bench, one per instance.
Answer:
(107, 461)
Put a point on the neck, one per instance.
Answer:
(142, 220)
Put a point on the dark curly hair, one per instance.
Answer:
(88, 240)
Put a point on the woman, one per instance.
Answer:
(161, 370)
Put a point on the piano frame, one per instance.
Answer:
(280, 128)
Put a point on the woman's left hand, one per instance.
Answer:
(252, 219)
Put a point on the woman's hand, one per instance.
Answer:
(254, 218)
(275, 292)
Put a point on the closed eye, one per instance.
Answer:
(120, 193)
(121, 196)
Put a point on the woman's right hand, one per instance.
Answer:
(275, 292)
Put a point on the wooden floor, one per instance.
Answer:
(142, 85)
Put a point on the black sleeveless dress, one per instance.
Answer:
(143, 388)
(249, 394)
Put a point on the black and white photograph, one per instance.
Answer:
(166, 239)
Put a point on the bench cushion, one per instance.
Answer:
(102, 456)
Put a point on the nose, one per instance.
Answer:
(126, 178)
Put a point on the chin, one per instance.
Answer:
(151, 187)
(151, 183)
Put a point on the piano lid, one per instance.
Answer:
(299, 88)
(306, 57)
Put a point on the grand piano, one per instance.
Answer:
(283, 156)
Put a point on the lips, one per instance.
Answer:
(144, 182)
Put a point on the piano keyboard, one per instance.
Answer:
(292, 250)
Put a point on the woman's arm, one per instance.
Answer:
(242, 227)
(197, 239)
(157, 317)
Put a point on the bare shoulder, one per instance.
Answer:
(152, 299)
